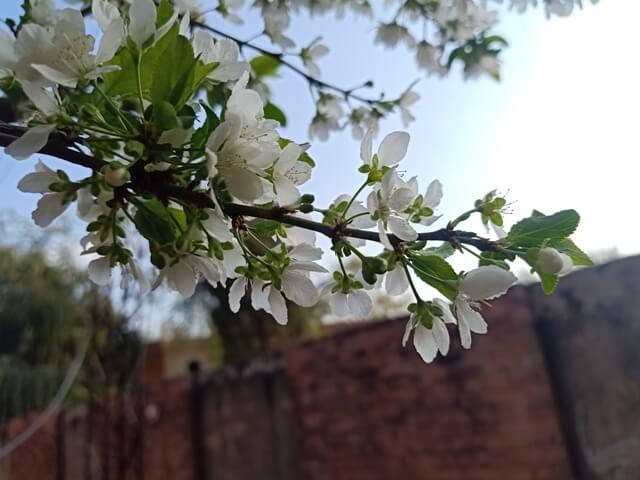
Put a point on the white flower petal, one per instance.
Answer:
(142, 21)
(8, 56)
(567, 264)
(425, 343)
(100, 271)
(217, 227)
(393, 148)
(182, 278)
(236, 292)
(401, 199)
(366, 147)
(37, 182)
(359, 303)
(259, 295)
(243, 184)
(32, 141)
(305, 252)
(407, 331)
(401, 228)
(485, 283)
(433, 196)
(470, 319)
(287, 192)
(299, 289)
(56, 76)
(104, 13)
(41, 98)
(338, 304)
(396, 282)
(278, 307)
(447, 316)
(50, 207)
(111, 41)
(441, 335)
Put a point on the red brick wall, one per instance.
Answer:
(361, 406)
(134, 437)
(369, 409)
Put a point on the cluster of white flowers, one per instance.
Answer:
(215, 189)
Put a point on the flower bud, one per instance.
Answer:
(116, 177)
(553, 262)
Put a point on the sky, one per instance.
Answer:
(557, 132)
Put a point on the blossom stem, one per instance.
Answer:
(353, 199)
(410, 280)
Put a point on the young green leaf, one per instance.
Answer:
(436, 272)
(154, 223)
(534, 230)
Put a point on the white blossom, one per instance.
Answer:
(387, 205)
(244, 145)
(391, 151)
(429, 341)
(428, 58)
(71, 58)
(485, 65)
(276, 21)
(225, 52)
(142, 21)
(391, 34)
(311, 54)
(52, 204)
(288, 173)
(407, 99)
(483, 283)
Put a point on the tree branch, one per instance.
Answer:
(151, 182)
(279, 57)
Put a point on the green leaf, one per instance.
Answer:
(174, 73)
(121, 83)
(568, 247)
(444, 251)
(186, 117)
(265, 227)
(124, 82)
(436, 272)
(265, 66)
(536, 229)
(165, 12)
(549, 282)
(154, 223)
(274, 113)
(164, 117)
(371, 267)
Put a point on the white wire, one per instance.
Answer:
(53, 406)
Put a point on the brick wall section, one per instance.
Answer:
(551, 393)
(368, 409)
(139, 436)
(249, 427)
(37, 458)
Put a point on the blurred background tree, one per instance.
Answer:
(46, 308)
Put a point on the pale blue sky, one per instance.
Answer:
(557, 132)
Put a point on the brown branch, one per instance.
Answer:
(152, 182)
(346, 93)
